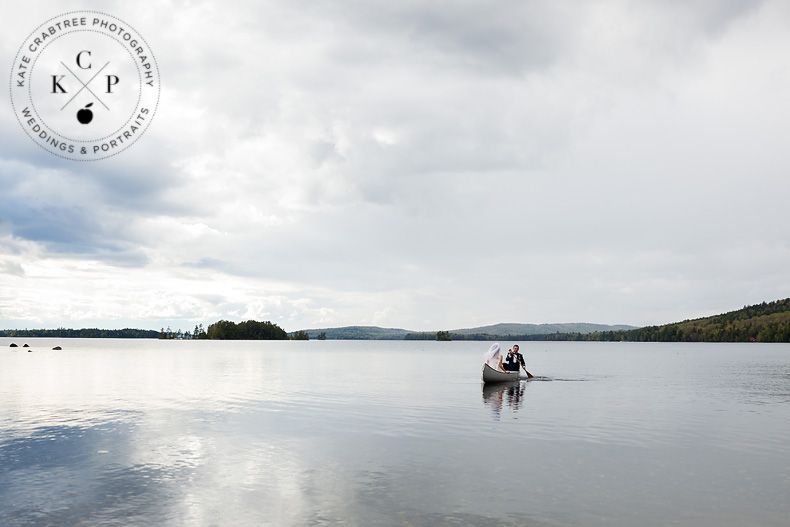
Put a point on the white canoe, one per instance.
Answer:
(491, 375)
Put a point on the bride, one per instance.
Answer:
(494, 358)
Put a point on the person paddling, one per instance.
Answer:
(509, 363)
(518, 360)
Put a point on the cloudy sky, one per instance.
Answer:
(427, 165)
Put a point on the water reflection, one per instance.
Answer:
(68, 475)
(498, 396)
(211, 433)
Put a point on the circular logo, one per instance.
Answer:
(85, 85)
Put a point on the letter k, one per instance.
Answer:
(56, 84)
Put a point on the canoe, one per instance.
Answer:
(491, 375)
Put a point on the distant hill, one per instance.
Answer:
(480, 333)
(358, 333)
(766, 322)
(539, 329)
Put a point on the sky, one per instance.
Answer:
(422, 165)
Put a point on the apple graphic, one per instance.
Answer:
(85, 116)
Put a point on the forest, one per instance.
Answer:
(766, 322)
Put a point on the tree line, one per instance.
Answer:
(442, 336)
(221, 330)
(89, 333)
(198, 333)
(765, 322)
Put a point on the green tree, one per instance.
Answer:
(300, 335)
(248, 330)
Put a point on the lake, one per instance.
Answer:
(366, 433)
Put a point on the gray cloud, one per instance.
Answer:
(584, 163)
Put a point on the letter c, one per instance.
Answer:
(78, 60)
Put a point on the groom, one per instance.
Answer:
(515, 359)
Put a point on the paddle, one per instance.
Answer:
(529, 375)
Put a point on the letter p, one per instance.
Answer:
(112, 80)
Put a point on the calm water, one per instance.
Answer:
(114, 432)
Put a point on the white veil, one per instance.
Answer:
(492, 355)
